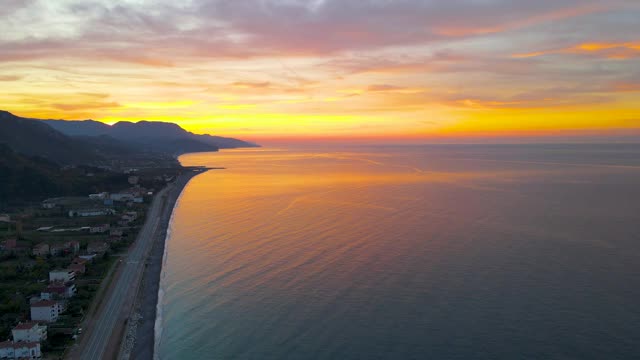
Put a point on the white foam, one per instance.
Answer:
(158, 324)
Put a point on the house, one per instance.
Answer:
(97, 247)
(47, 310)
(20, 350)
(11, 244)
(138, 200)
(133, 180)
(72, 246)
(122, 196)
(114, 239)
(5, 218)
(14, 246)
(100, 196)
(57, 249)
(116, 232)
(48, 205)
(91, 212)
(100, 229)
(41, 249)
(78, 268)
(89, 257)
(62, 275)
(58, 290)
(80, 260)
(30, 332)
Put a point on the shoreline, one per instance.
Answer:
(138, 339)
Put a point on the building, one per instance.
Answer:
(78, 268)
(59, 290)
(20, 350)
(72, 246)
(133, 180)
(116, 232)
(57, 249)
(29, 332)
(48, 205)
(130, 215)
(89, 257)
(41, 249)
(91, 212)
(47, 310)
(61, 275)
(100, 229)
(97, 247)
(5, 218)
(100, 196)
(11, 244)
(122, 197)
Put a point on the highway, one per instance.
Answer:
(109, 317)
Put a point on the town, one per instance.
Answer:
(58, 256)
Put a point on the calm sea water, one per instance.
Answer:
(433, 252)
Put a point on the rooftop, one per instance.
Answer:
(44, 303)
(26, 325)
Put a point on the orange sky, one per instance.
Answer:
(329, 69)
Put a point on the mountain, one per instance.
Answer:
(148, 133)
(35, 138)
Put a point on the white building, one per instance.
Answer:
(20, 350)
(47, 310)
(29, 332)
(100, 196)
(91, 212)
(100, 229)
(58, 290)
(122, 197)
(62, 275)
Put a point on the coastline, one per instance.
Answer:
(138, 340)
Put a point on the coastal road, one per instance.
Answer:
(109, 317)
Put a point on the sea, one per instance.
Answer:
(405, 252)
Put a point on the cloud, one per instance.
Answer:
(251, 84)
(617, 51)
(85, 106)
(164, 33)
(10, 77)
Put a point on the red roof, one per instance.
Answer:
(18, 345)
(26, 325)
(44, 303)
(79, 268)
(79, 260)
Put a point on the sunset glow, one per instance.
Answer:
(291, 69)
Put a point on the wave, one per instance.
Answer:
(161, 291)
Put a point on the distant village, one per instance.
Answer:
(53, 259)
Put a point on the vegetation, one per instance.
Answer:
(24, 179)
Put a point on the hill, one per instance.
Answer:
(34, 138)
(28, 178)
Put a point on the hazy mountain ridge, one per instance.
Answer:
(147, 132)
(34, 138)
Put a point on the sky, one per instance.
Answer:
(330, 69)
